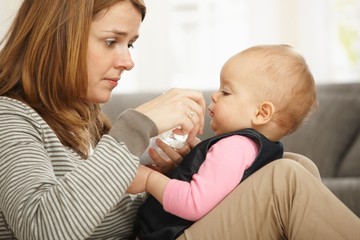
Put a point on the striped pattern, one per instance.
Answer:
(48, 192)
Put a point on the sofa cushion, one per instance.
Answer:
(350, 166)
(347, 190)
(329, 134)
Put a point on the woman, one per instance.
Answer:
(65, 173)
(59, 61)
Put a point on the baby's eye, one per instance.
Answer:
(130, 45)
(110, 42)
(224, 92)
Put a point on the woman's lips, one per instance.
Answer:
(112, 81)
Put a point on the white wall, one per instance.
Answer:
(8, 9)
(198, 36)
(184, 43)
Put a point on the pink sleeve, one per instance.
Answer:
(220, 173)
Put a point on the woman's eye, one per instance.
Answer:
(110, 42)
(113, 42)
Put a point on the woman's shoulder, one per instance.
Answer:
(10, 104)
(13, 109)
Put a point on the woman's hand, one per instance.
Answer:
(175, 155)
(181, 108)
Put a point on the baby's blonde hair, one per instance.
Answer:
(286, 81)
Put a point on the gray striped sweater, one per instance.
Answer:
(48, 192)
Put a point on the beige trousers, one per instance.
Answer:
(283, 200)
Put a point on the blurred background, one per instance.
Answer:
(184, 43)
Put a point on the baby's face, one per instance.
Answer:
(235, 104)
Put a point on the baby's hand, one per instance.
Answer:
(138, 185)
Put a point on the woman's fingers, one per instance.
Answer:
(181, 108)
(194, 110)
(196, 113)
(175, 156)
(161, 164)
(191, 126)
(186, 149)
(172, 153)
(173, 159)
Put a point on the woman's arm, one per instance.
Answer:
(46, 189)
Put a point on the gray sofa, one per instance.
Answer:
(331, 138)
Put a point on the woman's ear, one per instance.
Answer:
(264, 113)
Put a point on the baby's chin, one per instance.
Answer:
(218, 132)
(213, 127)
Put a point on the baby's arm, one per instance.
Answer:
(156, 184)
(218, 176)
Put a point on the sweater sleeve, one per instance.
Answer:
(46, 192)
(220, 173)
(134, 129)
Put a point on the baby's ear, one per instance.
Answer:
(264, 113)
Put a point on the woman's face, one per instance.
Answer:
(112, 33)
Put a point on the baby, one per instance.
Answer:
(266, 92)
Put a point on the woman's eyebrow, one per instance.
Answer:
(121, 33)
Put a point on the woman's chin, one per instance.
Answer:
(100, 99)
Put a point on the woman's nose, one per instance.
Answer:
(124, 60)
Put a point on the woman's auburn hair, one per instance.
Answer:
(43, 64)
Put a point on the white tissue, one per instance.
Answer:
(171, 139)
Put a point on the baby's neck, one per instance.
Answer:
(271, 131)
